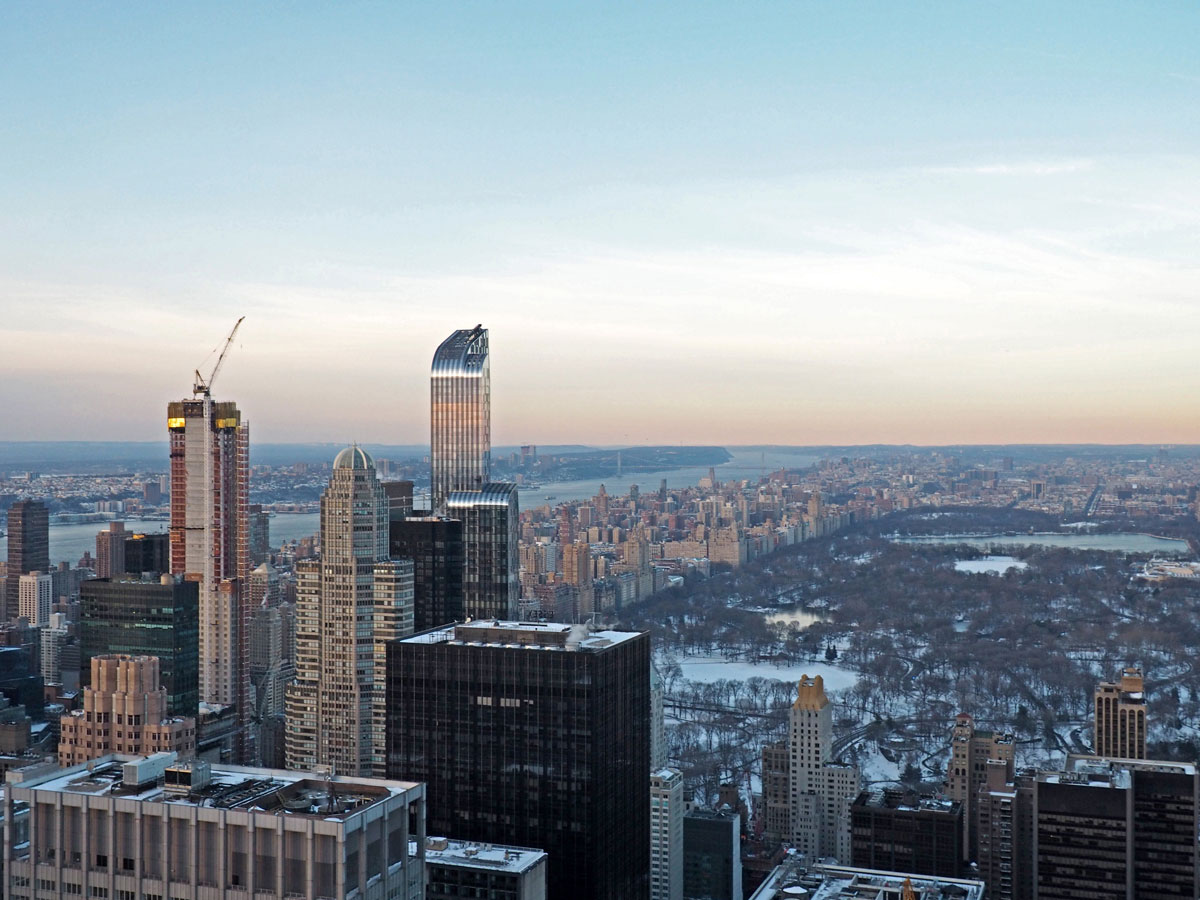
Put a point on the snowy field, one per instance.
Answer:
(994, 565)
(707, 669)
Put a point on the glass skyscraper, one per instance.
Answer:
(145, 618)
(460, 415)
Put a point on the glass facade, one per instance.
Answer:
(460, 415)
(491, 525)
(28, 546)
(145, 618)
(435, 546)
(543, 747)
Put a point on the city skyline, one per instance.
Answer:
(795, 225)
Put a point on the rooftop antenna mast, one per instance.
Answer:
(203, 385)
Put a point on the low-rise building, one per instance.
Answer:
(150, 828)
(456, 869)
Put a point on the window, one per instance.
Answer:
(97, 891)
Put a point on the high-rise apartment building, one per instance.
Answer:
(776, 795)
(157, 618)
(35, 597)
(970, 750)
(536, 735)
(110, 550)
(349, 604)
(491, 549)
(666, 834)
(460, 415)
(1121, 716)
(124, 711)
(210, 542)
(1005, 812)
(435, 545)
(136, 828)
(821, 788)
(28, 547)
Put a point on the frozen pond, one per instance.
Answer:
(715, 668)
(994, 565)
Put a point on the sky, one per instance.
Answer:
(735, 223)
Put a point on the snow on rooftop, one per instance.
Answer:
(530, 635)
(471, 854)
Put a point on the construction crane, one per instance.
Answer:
(202, 385)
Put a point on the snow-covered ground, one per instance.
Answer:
(715, 668)
(994, 565)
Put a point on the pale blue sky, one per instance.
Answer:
(794, 222)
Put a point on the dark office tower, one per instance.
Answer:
(145, 618)
(435, 545)
(28, 547)
(894, 829)
(147, 553)
(260, 534)
(712, 855)
(491, 528)
(1115, 828)
(536, 735)
(460, 415)
(400, 499)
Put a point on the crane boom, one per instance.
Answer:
(202, 385)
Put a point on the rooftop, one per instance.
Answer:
(1080, 762)
(529, 635)
(469, 854)
(793, 880)
(273, 791)
(894, 798)
(354, 457)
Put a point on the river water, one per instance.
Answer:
(1117, 543)
(68, 542)
(744, 463)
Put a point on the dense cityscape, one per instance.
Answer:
(812, 514)
(718, 709)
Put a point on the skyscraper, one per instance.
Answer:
(110, 550)
(35, 595)
(1121, 716)
(349, 604)
(145, 618)
(28, 547)
(822, 789)
(460, 415)
(970, 750)
(491, 549)
(210, 480)
(536, 735)
(435, 545)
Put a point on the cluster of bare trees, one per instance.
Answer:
(1021, 651)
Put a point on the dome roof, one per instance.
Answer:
(354, 457)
